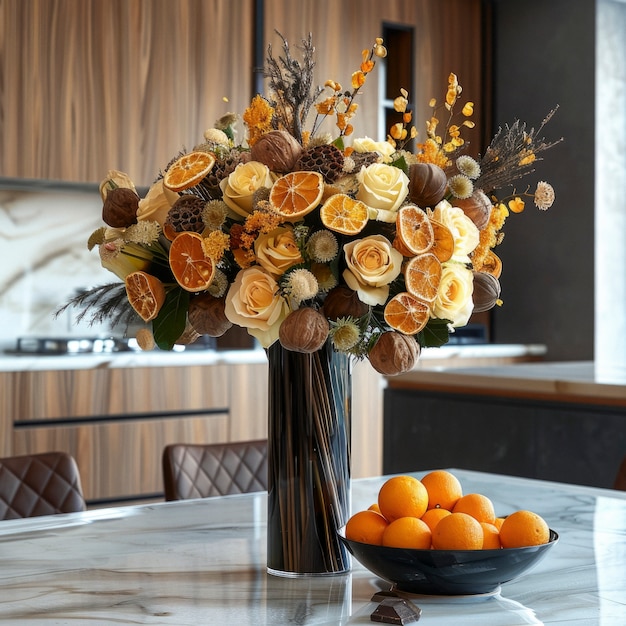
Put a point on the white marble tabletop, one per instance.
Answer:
(203, 562)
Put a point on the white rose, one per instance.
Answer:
(466, 234)
(372, 263)
(253, 302)
(454, 299)
(277, 251)
(382, 186)
(238, 189)
(157, 203)
(367, 144)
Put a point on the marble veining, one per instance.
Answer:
(203, 562)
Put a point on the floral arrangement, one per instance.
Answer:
(303, 237)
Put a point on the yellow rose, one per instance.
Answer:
(382, 186)
(277, 251)
(238, 189)
(367, 144)
(454, 299)
(372, 263)
(253, 302)
(157, 203)
(466, 234)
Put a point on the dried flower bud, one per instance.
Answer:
(120, 207)
(278, 150)
(477, 207)
(394, 353)
(427, 184)
(486, 291)
(343, 302)
(206, 315)
(304, 330)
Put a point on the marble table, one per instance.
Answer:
(203, 562)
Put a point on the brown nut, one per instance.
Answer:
(394, 353)
(304, 330)
(120, 207)
(427, 184)
(341, 301)
(486, 291)
(477, 207)
(206, 315)
(278, 150)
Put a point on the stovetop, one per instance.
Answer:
(56, 346)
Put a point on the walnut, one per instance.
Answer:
(278, 150)
(341, 301)
(304, 330)
(477, 207)
(427, 184)
(486, 291)
(394, 353)
(206, 315)
(120, 207)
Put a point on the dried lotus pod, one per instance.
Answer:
(325, 159)
(477, 207)
(427, 184)
(185, 215)
(278, 150)
(341, 301)
(394, 353)
(304, 330)
(206, 315)
(120, 207)
(486, 291)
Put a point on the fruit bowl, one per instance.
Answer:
(447, 572)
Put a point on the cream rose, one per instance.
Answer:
(466, 234)
(454, 299)
(157, 203)
(373, 263)
(238, 189)
(277, 251)
(382, 187)
(253, 302)
(367, 144)
(115, 178)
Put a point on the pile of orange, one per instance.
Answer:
(433, 513)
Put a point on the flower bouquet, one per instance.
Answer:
(303, 237)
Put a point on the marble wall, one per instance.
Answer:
(43, 245)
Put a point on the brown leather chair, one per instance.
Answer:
(204, 470)
(39, 484)
(620, 479)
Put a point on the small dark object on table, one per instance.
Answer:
(396, 611)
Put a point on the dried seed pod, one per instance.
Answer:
(186, 215)
(304, 330)
(189, 335)
(120, 207)
(325, 159)
(394, 353)
(477, 207)
(427, 184)
(486, 291)
(206, 315)
(341, 301)
(278, 150)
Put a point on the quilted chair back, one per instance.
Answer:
(201, 471)
(39, 484)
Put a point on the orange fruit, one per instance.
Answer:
(406, 313)
(145, 293)
(188, 170)
(443, 244)
(458, 531)
(407, 532)
(414, 231)
(491, 537)
(343, 214)
(296, 194)
(477, 505)
(524, 528)
(374, 507)
(498, 522)
(444, 489)
(433, 516)
(402, 496)
(192, 269)
(366, 527)
(422, 275)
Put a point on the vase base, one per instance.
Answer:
(285, 574)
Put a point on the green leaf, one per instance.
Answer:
(435, 334)
(339, 143)
(170, 323)
(402, 164)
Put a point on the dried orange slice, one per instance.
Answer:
(296, 194)
(443, 244)
(492, 264)
(192, 269)
(406, 313)
(188, 170)
(414, 232)
(343, 214)
(146, 294)
(422, 275)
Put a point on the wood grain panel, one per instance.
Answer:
(121, 459)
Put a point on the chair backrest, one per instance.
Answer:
(39, 484)
(204, 470)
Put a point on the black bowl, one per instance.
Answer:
(447, 572)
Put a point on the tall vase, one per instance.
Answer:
(308, 461)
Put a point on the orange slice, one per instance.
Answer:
(443, 243)
(343, 214)
(146, 294)
(188, 170)
(406, 313)
(192, 269)
(296, 194)
(414, 232)
(422, 275)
